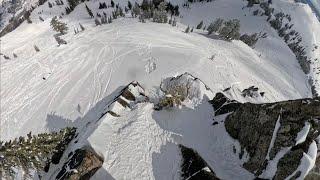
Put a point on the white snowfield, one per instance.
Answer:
(70, 84)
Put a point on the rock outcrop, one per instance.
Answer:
(193, 167)
(277, 136)
(223, 104)
(82, 162)
(81, 165)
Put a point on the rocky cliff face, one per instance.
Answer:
(279, 137)
(82, 164)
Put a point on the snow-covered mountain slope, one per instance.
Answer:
(136, 141)
(70, 79)
(75, 84)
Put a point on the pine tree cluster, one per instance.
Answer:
(157, 10)
(33, 152)
(281, 22)
(228, 30)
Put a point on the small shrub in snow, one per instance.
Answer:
(14, 55)
(36, 48)
(6, 57)
(28, 20)
(173, 97)
(40, 18)
(256, 12)
(59, 40)
(178, 89)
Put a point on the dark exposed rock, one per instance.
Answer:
(222, 104)
(82, 165)
(251, 92)
(288, 164)
(193, 167)
(315, 172)
(61, 147)
(253, 125)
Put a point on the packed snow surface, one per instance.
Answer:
(69, 84)
(95, 62)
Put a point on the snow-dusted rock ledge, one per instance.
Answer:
(279, 137)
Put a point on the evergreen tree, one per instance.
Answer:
(199, 26)
(129, 5)
(58, 26)
(250, 40)
(145, 5)
(187, 30)
(32, 152)
(97, 22)
(110, 20)
(81, 27)
(215, 26)
(89, 12)
(174, 22)
(50, 5)
(231, 29)
(136, 10)
(112, 3)
(73, 4)
(160, 14)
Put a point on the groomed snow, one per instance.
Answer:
(95, 62)
(66, 85)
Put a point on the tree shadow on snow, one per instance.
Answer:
(183, 122)
(166, 163)
(102, 174)
(54, 122)
(212, 36)
(85, 125)
(189, 127)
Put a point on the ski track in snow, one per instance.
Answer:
(80, 73)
